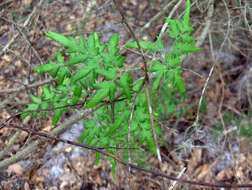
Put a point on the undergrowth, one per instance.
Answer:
(94, 74)
(239, 126)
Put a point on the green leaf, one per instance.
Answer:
(97, 158)
(64, 41)
(90, 138)
(157, 66)
(124, 84)
(187, 48)
(58, 112)
(61, 75)
(98, 45)
(112, 45)
(76, 59)
(60, 58)
(84, 95)
(83, 83)
(74, 100)
(172, 25)
(24, 115)
(160, 76)
(98, 97)
(180, 26)
(113, 168)
(109, 75)
(46, 95)
(91, 78)
(173, 61)
(144, 44)
(170, 75)
(35, 99)
(63, 89)
(84, 71)
(94, 61)
(77, 90)
(54, 72)
(160, 43)
(112, 90)
(151, 145)
(112, 61)
(138, 84)
(34, 107)
(119, 60)
(176, 52)
(179, 83)
(186, 17)
(187, 38)
(46, 67)
(187, 28)
(83, 136)
(115, 126)
(44, 105)
(31, 107)
(56, 116)
(96, 39)
(82, 44)
(91, 46)
(111, 130)
(105, 84)
(141, 100)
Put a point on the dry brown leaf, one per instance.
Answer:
(143, 5)
(53, 188)
(78, 165)
(98, 179)
(134, 2)
(3, 29)
(27, 2)
(240, 173)
(195, 159)
(164, 167)
(244, 144)
(40, 179)
(45, 171)
(4, 114)
(16, 168)
(68, 179)
(6, 58)
(41, 186)
(204, 171)
(8, 185)
(69, 27)
(225, 174)
(18, 63)
(23, 136)
(250, 161)
(48, 127)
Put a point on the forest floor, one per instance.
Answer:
(219, 151)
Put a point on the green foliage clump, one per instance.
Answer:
(93, 73)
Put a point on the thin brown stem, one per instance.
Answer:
(146, 81)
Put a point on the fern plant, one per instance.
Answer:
(93, 73)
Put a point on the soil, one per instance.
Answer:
(218, 151)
